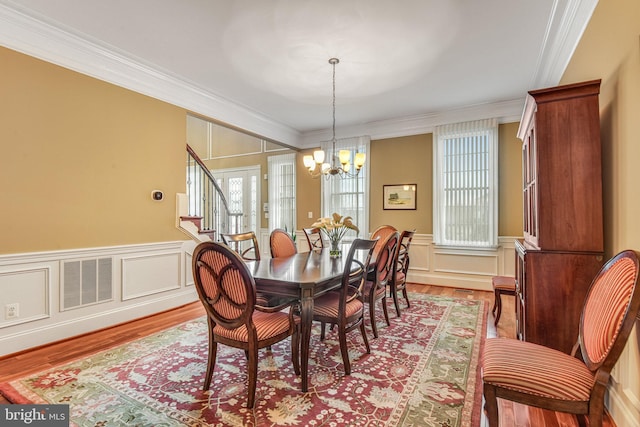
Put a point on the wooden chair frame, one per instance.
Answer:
(608, 316)
(314, 238)
(235, 241)
(376, 289)
(227, 291)
(332, 307)
(401, 270)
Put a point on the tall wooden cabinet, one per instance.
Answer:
(562, 249)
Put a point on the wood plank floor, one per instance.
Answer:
(30, 361)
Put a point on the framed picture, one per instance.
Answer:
(401, 196)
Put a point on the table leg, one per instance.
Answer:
(306, 319)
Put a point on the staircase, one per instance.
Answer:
(203, 211)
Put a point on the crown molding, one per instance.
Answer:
(505, 111)
(39, 37)
(567, 22)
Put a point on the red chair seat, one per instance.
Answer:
(327, 305)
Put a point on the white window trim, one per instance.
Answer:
(489, 126)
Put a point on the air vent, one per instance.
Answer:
(86, 282)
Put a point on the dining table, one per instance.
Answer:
(304, 276)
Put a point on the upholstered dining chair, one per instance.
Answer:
(238, 242)
(281, 244)
(314, 238)
(547, 378)
(345, 308)
(381, 233)
(375, 288)
(228, 292)
(398, 282)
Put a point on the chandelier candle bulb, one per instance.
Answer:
(331, 167)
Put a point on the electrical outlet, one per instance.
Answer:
(11, 311)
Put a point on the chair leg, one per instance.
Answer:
(211, 361)
(363, 331)
(498, 308)
(372, 318)
(295, 350)
(322, 327)
(496, 297)
(491, 405)
(342, 336)
(406, 295)
(252, 366)
(384, 310)
(394, 295)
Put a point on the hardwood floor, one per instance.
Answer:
(30, 361)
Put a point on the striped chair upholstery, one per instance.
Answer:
(345, 308)
(227, 291)
(282, 244)
(546, 378)
(375, 288)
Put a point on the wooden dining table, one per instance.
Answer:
(304, 276)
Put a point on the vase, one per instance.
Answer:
(335, 251)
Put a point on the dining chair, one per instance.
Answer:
(314, 238)
(539, 376)
(281, 244)
(228, 292)
(375, 288)
(381, 233)
(238, 242)
(345, 308)
(398, 282)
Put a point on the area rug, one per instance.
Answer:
(422, 371)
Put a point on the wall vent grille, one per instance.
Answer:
(86, 282)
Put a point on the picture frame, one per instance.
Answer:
(399, 197)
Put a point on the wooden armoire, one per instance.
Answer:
(562, 249)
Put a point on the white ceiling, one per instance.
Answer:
(262, 65)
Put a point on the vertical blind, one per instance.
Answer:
(282, 191)
(466, 184)
(348, 196)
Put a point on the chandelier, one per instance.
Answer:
(340, 164)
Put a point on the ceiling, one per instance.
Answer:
(262, 65)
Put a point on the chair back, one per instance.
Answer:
(314, 238)
(386, 259)
(282, 244)
(381, 233)
(402, 255)
(225, 285)
(610, 311)
(245, 244)
(355, 271)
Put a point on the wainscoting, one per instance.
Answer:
(60, 294)
(452, 267)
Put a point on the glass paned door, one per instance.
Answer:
(240, 187)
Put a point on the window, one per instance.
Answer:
(282, 191)
(348, 196)
(466, 184)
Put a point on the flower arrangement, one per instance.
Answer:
(335, 228)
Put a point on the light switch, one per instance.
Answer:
(310, 215)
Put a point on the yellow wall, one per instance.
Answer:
(610, 50)
(79, 159)
(408, 160)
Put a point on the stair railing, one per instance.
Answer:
(206, 199)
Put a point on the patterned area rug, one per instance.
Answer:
(422, 371)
